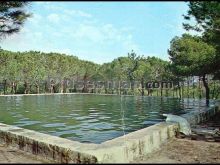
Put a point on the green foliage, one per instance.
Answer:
(33, 71)
(191, 56)
(143, 70)
(206, 14)
(207, 17)
(12, 16)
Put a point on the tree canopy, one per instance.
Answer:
(192, 56)
(207, 17)
(12, 16)
(36, 68)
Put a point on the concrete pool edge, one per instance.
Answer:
(123, 149)
(136, 144)
(119, 150)
(203, 114)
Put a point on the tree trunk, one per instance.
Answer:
(200, 96)
(61, 86)
(183, 83)
(84, 90)
(176, 91)
(37, 88)
(15, 87)
(25, 87)
(179, 88)
(193, 88)
(52, 88)
(213, 93)
(5, 86)
(65, 86)
(74, 85)
(119, 87)
(187, 86)
(45, 87)
(132, 86)
(148, 92)
(142, 86)
(167, 92)
(29, 89)
(12, 87)
(95, 85)
(105, 86)
(206, 89)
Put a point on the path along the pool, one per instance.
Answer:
(203, 146)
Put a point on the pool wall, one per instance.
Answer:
(123, 149)
(203, 114)
(119, 150)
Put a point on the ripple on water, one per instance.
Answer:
(82, 118)
(26, 123)
(92, 120)
(92, 108)
(74, 114)
(104, 117)
(89, 119)
(102, 104)
(103, 136)
(63, 133)
(154, 112)
(76, 110)
(54, 125)
(101, 126)
(18, 116)
(64, 116)
(69, 128)
(150, 122)
(94, 114)
(24, 119)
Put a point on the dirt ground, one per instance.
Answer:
(184, 151)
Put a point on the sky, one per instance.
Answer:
(100, 31)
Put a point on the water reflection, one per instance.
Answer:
(90, 118)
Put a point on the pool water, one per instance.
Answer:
(87, 117)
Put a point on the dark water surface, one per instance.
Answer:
(89, 118)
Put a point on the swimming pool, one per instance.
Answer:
(88, 117)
